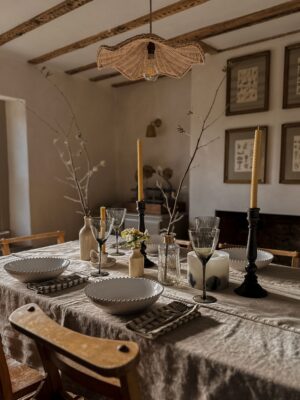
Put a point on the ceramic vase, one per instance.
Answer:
(136, 264)
(87, 242)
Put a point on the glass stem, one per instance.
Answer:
(117, 241)
(204, 281)
(100, 257)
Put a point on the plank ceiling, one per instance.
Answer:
(65, 34)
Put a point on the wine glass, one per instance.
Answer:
(101, 230)
(204, 242)
(207, 222)
(118, 214)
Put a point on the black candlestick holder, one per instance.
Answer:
(141, 211)
(250, 287)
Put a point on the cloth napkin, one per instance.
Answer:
(58, 284)
(155, 322)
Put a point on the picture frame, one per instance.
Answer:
(291, 76)
(238, 154)
(247, 84)
(290, 153)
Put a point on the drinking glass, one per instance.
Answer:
(204, 242)
(118, 214)
(101, 231)
(207, 222)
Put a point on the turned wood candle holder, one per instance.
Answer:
(141, 211)
(250, 287)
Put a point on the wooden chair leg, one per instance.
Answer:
(130, 386)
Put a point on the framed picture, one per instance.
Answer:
(290, 153)
(247, 89)
(239, 144)
(291, 79)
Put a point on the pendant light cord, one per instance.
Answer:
(150, 19)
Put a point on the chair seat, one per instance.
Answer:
(23, 378)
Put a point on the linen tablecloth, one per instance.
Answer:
(239, 349)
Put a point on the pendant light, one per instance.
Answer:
(148, 56)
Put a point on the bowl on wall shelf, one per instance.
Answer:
(238, 258)
(124, 295)
(36, 269)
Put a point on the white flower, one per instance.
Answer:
(55, 141)
(102, 163)
(95, 168)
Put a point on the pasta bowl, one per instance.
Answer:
(124, 295)
(238, 258)
(36, 269)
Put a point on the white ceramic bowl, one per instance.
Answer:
(124, 295)
(238, 258)
(36, 269)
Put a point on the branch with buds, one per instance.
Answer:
(72, 150)
(172, 209)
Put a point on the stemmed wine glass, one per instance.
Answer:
(101, 230)
(207, 222)
(204, 242)
(118, 214)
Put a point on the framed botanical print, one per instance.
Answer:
(239, 144)
(290, 153)
(247, 89)
(291, 79)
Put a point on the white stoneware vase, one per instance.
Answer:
(217, 271)
(87, 242)
(136, 264)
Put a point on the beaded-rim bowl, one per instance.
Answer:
(238, 258)
(124, 295)
(36, 269)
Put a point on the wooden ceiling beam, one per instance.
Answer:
(129, 83)
(83, 68)
(164, 12)
(41, 19)
(281, 10)
(104, 76)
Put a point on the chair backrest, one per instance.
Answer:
(294, 255)
(5, 242)
(105, 366)
(5, 382)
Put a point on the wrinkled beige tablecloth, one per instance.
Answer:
(239, 349)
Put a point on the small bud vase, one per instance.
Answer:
(136, 264)
(87, 242)
(169, 261)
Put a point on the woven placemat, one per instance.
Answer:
(155, 322)
(58, 284)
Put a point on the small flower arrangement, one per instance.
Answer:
(134, 237)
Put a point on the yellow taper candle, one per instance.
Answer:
(255, 168)
(140, 170)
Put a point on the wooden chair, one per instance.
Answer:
(17, 380)
(5, 242)
(107, 367)
(294, 255)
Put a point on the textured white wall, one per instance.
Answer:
(93, 107)
(207, 190)
(134, 108)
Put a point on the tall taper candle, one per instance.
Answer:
(255, 168)
(140, 170)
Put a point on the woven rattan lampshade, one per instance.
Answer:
(132, 57)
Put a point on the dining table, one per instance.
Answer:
(239, 348)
